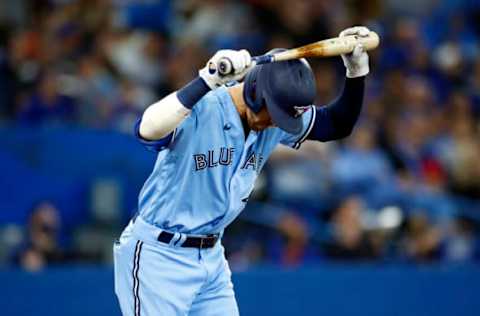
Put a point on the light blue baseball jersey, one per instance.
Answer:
(206, 169)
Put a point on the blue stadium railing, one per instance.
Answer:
(326, 290)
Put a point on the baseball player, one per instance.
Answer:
(212, 141)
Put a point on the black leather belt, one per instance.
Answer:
(191, 242)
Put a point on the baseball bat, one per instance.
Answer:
(325, 48)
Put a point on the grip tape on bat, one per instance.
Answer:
(225, 66)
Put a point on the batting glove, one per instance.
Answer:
(241, 62)
(357, 61)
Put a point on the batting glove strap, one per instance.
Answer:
(241, 63)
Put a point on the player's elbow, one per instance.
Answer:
(344, 128)
(149, 128)
(345, 132)
(339, 133)
(162, 117)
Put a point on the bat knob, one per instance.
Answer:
(225, 66)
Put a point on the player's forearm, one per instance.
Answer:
(346, 109)
(162, 117)
(337, 120)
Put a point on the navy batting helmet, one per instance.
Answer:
(287, 88)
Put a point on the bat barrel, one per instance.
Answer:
(331, 47)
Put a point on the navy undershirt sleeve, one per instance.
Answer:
(192, 92)
(336, 120)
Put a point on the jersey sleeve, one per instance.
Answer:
(296, 140)
(153, 145)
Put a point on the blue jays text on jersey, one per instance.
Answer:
(223, 157)
(206, 169)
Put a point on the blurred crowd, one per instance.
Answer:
(405, 186)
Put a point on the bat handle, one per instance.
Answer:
(263, 59)
(225, 66)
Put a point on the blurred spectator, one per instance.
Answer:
(361, 146)
(326, 81)
(96, 89)
(129, 107)
(349, 240)
(213, 21)
(422, 241)
(138, 57)
(295, 231)
(7, 78)
(47, 104)
(42, 245)
(474, 86)
(461, 244)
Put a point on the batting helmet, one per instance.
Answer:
(287, 88)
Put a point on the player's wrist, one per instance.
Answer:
(357, 72)
(205, 82)
(192, 92)
(354, 81)
(210, 81)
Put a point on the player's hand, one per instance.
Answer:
(241, 63)
(357, 61)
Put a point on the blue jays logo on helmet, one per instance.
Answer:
(299, 110)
